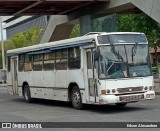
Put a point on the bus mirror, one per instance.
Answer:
(96, 55)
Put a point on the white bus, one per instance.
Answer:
(98, 68)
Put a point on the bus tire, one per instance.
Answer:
(27, 94)
(121, 104)
(76, 98)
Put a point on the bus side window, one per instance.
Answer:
(21, 62)
(89, 60)
(8, 63)
(48, 61)
(61, 59)
(28, 62)
(37, 62)
(74, 58)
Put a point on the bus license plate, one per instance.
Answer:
(131, 98)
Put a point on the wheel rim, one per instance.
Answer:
(76, 99)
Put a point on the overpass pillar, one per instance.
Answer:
(85, 24)
(58, 28)
(95, 23)
(104, 24)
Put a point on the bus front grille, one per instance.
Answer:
(130, 89)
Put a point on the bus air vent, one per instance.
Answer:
(130, 89)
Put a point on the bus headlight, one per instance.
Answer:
(113, 90)
(108, 91)
(146, 88)
(150, 88)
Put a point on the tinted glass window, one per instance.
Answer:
(8, 63)
(49, 61)
(61, 59)
(37, 62)
(89, 60)
(74, 58)
(28, 62)
(21, 62)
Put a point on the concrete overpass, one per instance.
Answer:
(67, 13)
(59, 24)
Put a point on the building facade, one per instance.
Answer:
(14, 25)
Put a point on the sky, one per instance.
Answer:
(4, 35)
(4, 31)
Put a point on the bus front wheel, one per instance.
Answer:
(76, 98)
(27, 94)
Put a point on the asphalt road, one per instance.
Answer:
(15, 109)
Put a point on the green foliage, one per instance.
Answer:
(155, 70)
(140, 23)
(75, 32)
(26, 38)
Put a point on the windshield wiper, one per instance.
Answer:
(134, 50)
(113, 62)
(114, 51)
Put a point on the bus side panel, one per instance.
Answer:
(38, 84)
(49, 78)
(29, 80)
(77, 76)
(61, 78)
(60, 94)
(9, 83)
(21, 79)
(49, 84)
(61, 89)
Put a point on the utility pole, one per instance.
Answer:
(2, 43)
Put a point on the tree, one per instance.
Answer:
(26, 38)
(75, 31)
(141, 23)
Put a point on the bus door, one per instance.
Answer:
(91, 76)
(14, 75)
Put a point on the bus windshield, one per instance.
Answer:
(123, 61)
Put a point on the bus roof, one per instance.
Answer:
(64, 43)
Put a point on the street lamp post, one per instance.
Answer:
(2, 43)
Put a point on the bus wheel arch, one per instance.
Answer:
(70, 87)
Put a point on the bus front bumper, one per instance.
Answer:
(109, 99)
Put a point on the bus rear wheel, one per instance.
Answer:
(76, 98)
(27, 94)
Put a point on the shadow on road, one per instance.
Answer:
(102, 109)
